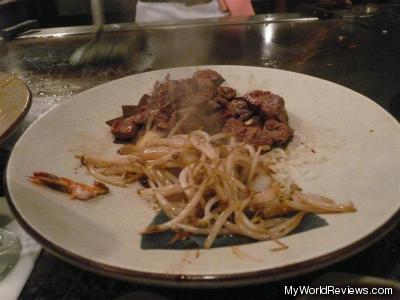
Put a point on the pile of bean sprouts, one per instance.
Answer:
(213, 185)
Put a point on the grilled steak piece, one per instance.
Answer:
(207, 74)
(161, 121)
(194, 122)
(124, 129)
(129, 110)
(144, 100)
(220, 102)
(280, 132)
(241, 131)
(227, 92)
(111, 122)
(223, 96)
(271, 106)
(141, 116)
(275, 133)
(213, 123)
(259, 117)
(238, 109)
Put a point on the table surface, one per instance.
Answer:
(359, 49)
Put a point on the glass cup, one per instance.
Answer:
(10, 250)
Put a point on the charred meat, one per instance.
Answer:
(200, 102)
(271, 106)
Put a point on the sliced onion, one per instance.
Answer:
(323, 204)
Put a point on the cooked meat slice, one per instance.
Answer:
(208, 74)
(160, 94)
(129, 110)
(212, 123)
(177, 90)
(205, 86)
(280, 132)
(161, 121)
(199, 99)
(144, 100)
(223, 96)
(124, 129)
(190, 124)
(141, 116)
(211, 105)
(221, 101)
(258, 118)
(273, 133)
(262, 137)
(187, 86)
(226, 92)
(111, 122)
(174, 118)
(238, 109)
(271, 106)
(272, 125)
(241, 131)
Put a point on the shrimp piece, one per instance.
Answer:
(77, 190)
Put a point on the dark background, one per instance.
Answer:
(58, 13)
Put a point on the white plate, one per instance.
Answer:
(15, 100)
(357, 158)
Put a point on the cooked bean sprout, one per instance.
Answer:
(214, 185)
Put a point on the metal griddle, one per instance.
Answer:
(356, 50)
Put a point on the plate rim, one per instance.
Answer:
(22, 115)
(211, 280)
(208, 280)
